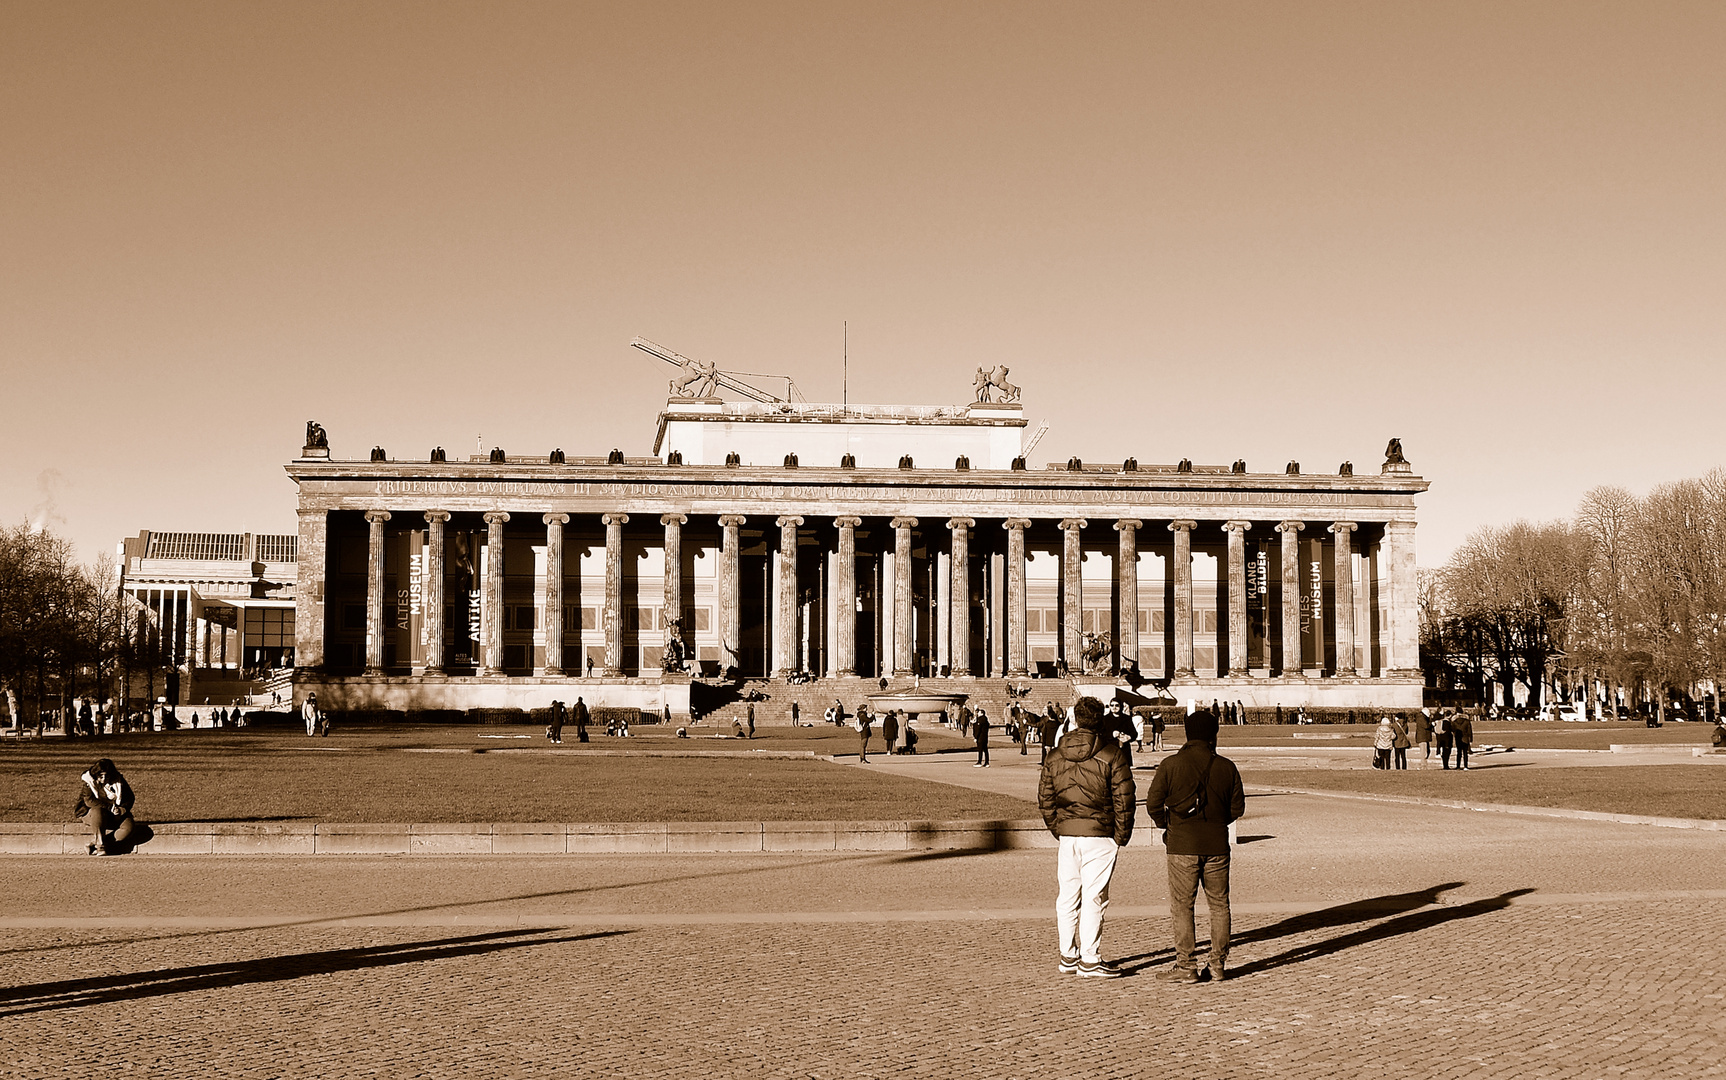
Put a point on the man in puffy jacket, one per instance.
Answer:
(1195, 794)
(1087, 798)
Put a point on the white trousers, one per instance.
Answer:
(1086, 863)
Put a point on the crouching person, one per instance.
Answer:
(1087, 799)
(105, 804)
(1194, 796)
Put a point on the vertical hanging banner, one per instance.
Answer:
(415, 606)
(1312, 620)
(1258, 605)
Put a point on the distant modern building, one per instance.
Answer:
(222, 602)
(768, 538)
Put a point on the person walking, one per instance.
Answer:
(555, 731)
(578, 717)
(1158, 726)
(1462, 732)
(1048, 733)
(980, 733)
(1383, 738)
(1087, 799)
(1441, 728)
(865, 728)
(1195, 795)
(890, 730)
(1400, 741)
(309, 712)
(750, 715)
(1423, 735)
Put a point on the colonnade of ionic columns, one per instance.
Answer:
(1006, 601)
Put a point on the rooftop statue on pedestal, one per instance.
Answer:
(317, 441)
(987, 381)
(1394, 462)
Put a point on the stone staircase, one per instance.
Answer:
(813, 698)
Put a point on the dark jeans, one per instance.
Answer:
(982, 753)
(1462, 749)
(1401, 753)
(1185, 874)
(118, 827)
(1444, 750)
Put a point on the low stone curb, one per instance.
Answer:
(511, 838)
(1703, 824)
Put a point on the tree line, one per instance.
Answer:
(65, 629)
(1623, 604)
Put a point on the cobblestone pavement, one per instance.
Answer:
(1399, 942)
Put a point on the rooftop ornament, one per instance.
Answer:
(674, 458)
(1018, 464)
(988, 382)
(1130, 465)
(962, 463)
(1293, 469)
(790, 461)
(848, 461)
(732, 460)
(556, 457)
(1075, 465)
(1186, 465)
(905, 462)
(1239, 468)
(1394, 462)
(1345, 469)
(378, 454)
(318, 439)
(614, 458)
(497, 456)
(437, 454)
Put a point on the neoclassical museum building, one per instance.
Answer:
(776, 540)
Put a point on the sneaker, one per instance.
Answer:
(1217, 973)
(92, 849)
(1102, 969)
(1179, 975)
(1068, 964)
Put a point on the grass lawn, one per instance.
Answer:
(463, 773)
(1683, 791)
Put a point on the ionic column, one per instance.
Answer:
(309, 597)
(1183, 568)
(785, 592)
(1237, 531)
(730, 594)
(433, 620)
(1291, 597)
(673, 597)
(1344, 596)
(1402, 654)
(904, 625)
(614, 524)
(845, 604)
(1072, 613)
(1128, 571)
(1017, 653)
(554, 524)
(374, 591)
(494, 592)
(959, 599)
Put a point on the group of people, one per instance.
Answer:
(1088, 801)
(1452, 729)
(896, 731)
(560, 715)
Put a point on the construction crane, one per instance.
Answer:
(701, 380)
(1037, 434)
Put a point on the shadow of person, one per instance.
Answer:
(1374, 907)
(1410, 923)
(78, 993)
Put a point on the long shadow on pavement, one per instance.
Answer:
(1396, 927)
(79, 993)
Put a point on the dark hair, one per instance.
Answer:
(1202, 726)
(104, 767)
(1088, 713)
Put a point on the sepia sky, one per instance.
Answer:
(1209, 230)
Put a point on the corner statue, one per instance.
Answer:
(988, 381)
(1393, 453)
(699, 379)
(315, 435)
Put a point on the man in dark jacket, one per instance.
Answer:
(578, 717)
(1194, 795)
(1086, 796)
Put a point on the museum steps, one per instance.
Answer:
(813, 698)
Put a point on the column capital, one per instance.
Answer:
(496, 517)
(788, 521)
(959, 523)
(1241, 526)
(1182, 525)
(1290, 526)
(1073, 523)
(614, 519)
(847, 522)
(1399, 526)
(376, 516)
(555, 519)
(904, 523)
(1342, 527)
(732, 519)
(1128, 524)
(1019, 524)
(437, 515)
(673, 519)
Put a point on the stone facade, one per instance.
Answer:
(546, 575)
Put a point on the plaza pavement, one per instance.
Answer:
(1372, 940)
